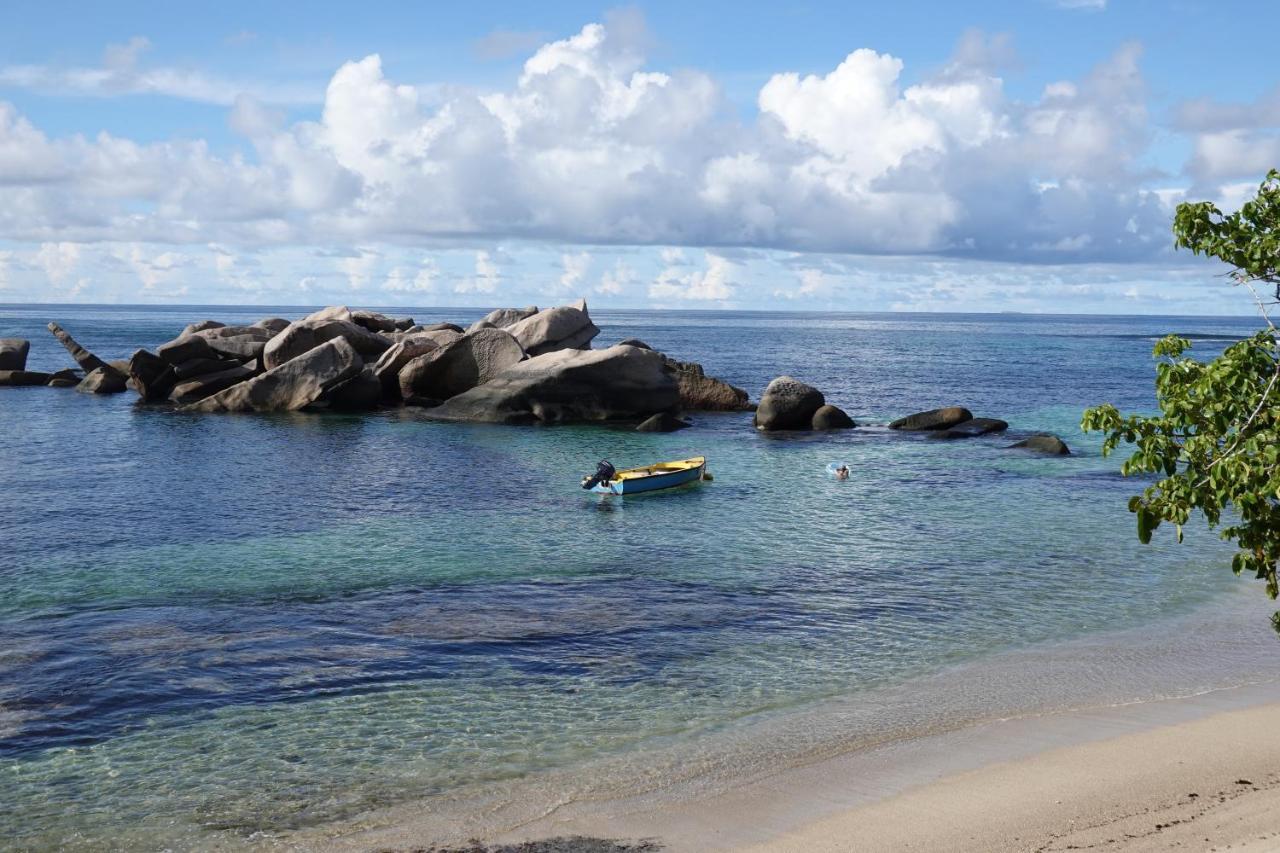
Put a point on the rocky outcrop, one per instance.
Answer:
(65, 378)
(87, 360)
(830, 417)
(20, 378)
(305, 335)
(971, 428)
(788, 403)
(207, 384)
(236, 342)
(699, 392)
(293, 385)
(151, 376)
(102, 380)
(662, 422)
(200, 326)
(13, 353)
(185, 348)
(503, 317)
(360, 393)
(1046, 443)
(944, 418)
(471, 360)
(636, 342)
(566, 327)
(274, 325)
(443, 327)
(199, 367)
(388, 367)
(618, 383)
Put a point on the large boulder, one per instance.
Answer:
(274, 325)
(150, 375)
(103, 380)
(375, 322)
(199, 367)
(944, 418)
(201, 326)
(618, 383)
(388, 367)
(333, 312)
(207, 384)
(66, 378)
(566, 327)
(662, 422)
(461, 365)
(831, 417)
(293, 385)
(13, 353)
(971, 428)
(238, 347)
(87, 360)
(1046, 443)
(305, 335)
(18, 378)
(788, 403)
(360, 393)
(700, 392)
(186, 348)
(503, 317)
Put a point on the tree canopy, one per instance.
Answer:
(1215, 445)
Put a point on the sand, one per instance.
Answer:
(1194, 773)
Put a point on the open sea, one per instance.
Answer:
(216, 631)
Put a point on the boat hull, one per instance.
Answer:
(652, 482)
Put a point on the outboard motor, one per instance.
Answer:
(604, 473)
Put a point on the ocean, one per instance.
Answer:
(219, 630)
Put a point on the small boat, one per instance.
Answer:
(660, 475)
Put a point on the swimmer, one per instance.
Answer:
(842, 473)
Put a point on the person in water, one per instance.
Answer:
(842, 473)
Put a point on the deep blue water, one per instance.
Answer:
(237, 624)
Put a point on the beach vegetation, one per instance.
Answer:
(1214, 447)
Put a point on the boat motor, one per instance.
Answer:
(604, 473)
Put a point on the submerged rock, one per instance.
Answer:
(933, 419)
(830, 417)
(66, 378)
(618, 383)
(1046, 443)
(788, 403)
(293, 385)
(22, 378)
(102, 380)
(972, 428)
(13, 353)
(662, 422)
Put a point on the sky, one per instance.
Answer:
(998, 156)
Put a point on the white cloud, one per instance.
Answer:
(58, 260)
(486, 278)
(616, 281)
(1091, 5)
(575, 269)
(406, 280)
(359, 267)
(708, 285)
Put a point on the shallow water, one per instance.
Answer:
(212, 627)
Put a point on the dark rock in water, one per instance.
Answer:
(13, 353)
(700, 392)
(635, 342)
(933, 419)
(274, 325)
(293, 385)
(192, 328)
(788, 404)
(305, 335)
(205, 385)
(199, 367)
(21, 378)
(566, 327)
(423, 402)
(663, 422)
(151, 376)
(87, 360)
(831, 417)
(388, 367)
(102, 380)
(972, 428)
(1045, 443)
(66, 378)
(187, 348)
(618, 383)
(360, 393)
(503, 317)
(471, 360)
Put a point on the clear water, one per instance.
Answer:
(215, 628)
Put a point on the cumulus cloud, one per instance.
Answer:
(406, 280)
(678, 282)
(486, 278)
(590, 146)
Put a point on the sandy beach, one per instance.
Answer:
(1192, 773)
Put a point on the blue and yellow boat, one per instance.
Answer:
(660, 475)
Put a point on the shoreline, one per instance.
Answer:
(777, 783)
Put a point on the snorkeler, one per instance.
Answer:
(842, 473)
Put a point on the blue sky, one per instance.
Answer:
(918, 156)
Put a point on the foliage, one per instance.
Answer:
(1216, 443)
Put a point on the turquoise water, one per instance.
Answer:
(217, 629)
